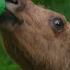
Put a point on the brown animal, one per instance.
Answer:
(37, 38)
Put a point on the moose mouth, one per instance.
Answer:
(8, 14)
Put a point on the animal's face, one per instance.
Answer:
(45, 35)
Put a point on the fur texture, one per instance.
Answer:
(33, 43)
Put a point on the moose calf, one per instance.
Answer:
(36, 38)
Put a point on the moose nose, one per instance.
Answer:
(12, 1)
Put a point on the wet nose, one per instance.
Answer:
(12, 1)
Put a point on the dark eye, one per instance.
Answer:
(13, 1)
(57, 24)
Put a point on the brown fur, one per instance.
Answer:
(33, 44)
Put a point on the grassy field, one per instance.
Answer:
(62, 6)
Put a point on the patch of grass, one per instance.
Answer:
(62, 6)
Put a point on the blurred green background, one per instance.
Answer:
(61, 6)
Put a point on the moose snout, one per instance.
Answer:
(12, 1)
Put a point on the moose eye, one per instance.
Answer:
(58, 24)
(13, 1)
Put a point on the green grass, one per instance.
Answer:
(62, 6)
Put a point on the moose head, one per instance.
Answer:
(36, 38)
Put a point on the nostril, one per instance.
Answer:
(12, 1)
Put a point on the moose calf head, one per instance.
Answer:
(36, 38)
